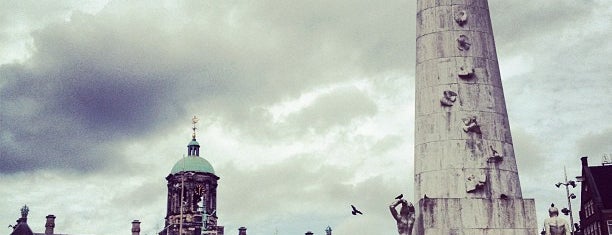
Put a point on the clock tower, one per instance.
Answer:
(192, 195)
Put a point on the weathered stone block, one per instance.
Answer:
(476, 216)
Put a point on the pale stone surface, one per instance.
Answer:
(476, 216)
(464, 158)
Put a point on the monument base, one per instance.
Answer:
(476, 216)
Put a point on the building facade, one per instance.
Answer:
(192, 195)
(596, 199)
(22, 227)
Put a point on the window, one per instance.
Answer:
(609, 227)
(588, 209)
(587, 230)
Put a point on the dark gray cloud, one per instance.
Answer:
(97, 80)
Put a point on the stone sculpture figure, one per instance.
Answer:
(471, 125)
(462, 43)
(405, 217)
(24, 211)
(449, 98)
(461, 18)
(555, 225)
(475, 182)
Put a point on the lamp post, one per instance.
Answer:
(569, 197)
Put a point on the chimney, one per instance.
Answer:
(135, 227)
(50, 224)
(242, 231)
(308, 233)
(584, 161)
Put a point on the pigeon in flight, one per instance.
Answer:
(400, 196)
(355, 211)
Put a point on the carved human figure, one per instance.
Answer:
(495, 156)
(461, 17)
(405, 217)
(449, 98)
(462, 43)
(465, 72)
(475, 182)
(556, 225)
(471, 125)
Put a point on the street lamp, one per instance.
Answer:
(567, 211)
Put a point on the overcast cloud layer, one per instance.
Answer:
(306, 107)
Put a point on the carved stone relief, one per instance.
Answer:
(475, 182)
(495, 156)
(465, 72)
(462, 43)
(461, 17)
(471, 125)
(449, 98)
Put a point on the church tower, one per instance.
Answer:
(193, 182)
(466, 178)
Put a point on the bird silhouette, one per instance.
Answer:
(425, 196)
(400, 196)
(355, 211)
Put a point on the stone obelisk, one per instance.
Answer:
(466, 178)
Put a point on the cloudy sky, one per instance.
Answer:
(306, 107)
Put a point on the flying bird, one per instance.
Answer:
(355, 211)
(400, 196)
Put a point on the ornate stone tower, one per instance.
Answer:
(193, 182)
(466, 178)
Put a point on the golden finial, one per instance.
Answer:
(194, 120)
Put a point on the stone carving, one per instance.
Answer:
(471, 125)
(462, 43)
(211, 221)
(495, 156)
(449, 98)
(461, 18)
(475, 182)
(405, 218)
(465, 72)
(24, 211)
(555, 225)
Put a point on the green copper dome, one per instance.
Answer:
(192, 163)
(193, 142)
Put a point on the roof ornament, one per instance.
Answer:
(194, 120)
(24, 211)
(605, 160)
